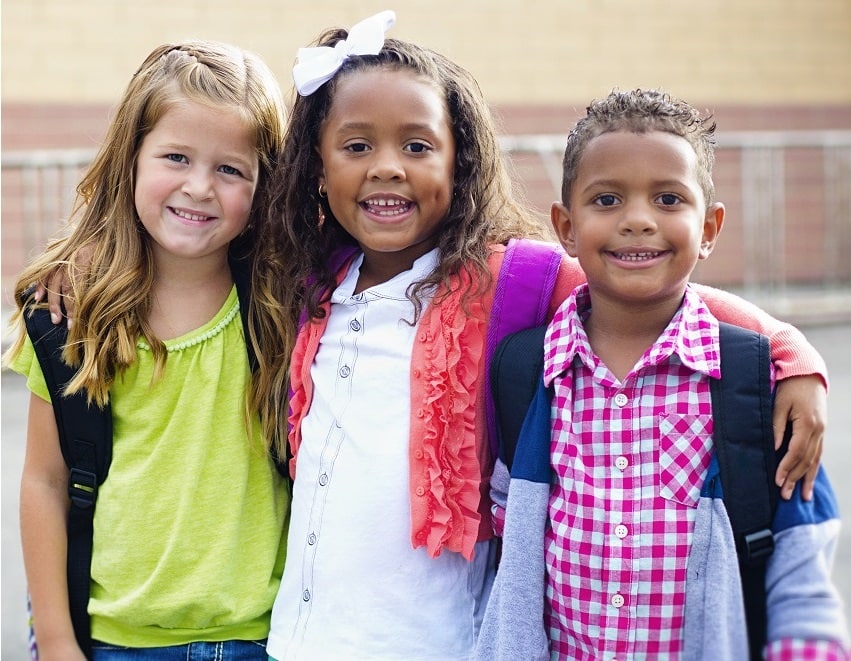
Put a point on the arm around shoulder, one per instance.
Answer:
(801, 397)
(570, 276)
(791, 353)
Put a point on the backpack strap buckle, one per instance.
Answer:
(758, 545)
(82, 488)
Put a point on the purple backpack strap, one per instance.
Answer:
(521, 300)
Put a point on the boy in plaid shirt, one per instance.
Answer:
(617, 547)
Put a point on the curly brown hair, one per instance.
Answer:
(302, 231)
(640, 111)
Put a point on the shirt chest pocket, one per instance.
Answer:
(685, 446)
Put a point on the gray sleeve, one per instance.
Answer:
(500, 480)
(513, 626)
(802, 602)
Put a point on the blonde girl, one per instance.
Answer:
(188, 542)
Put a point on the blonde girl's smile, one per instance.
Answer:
(190, 216)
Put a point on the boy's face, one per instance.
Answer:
(637, 219)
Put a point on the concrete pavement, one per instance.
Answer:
(833, 341)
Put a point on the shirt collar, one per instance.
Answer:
(396, 287)
(691, 335)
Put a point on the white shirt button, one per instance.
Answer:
(618, 600)
(621, 399)
(323, 479)
(345, 371)
(354, 324)
(621, 463)
(311, 539)
(621, 531)
(306, 595)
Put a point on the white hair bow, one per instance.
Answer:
(318, 65)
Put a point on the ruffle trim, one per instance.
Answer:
(306, 346)
(445, 470)
(301, 387)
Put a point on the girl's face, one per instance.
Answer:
(638, 221)
(196, 173)
(388, 158)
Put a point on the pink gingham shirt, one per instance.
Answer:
(630, 459)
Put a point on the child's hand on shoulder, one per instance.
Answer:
(802, 401)
(57, 288)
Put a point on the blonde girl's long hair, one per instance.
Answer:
(105, 252)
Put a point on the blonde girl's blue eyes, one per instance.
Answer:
(224, 169)
(227, 169)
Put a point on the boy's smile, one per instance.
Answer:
(638, 221)
(388, 158)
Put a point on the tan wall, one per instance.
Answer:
(64, 65)
(523, 52)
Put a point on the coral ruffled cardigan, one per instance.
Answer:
(450, 459)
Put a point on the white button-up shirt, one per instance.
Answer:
(353, 587)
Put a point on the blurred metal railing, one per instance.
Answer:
(46, 181)
(39, 188)
(769, 206)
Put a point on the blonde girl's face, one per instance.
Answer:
(196, 173)
(388, 158)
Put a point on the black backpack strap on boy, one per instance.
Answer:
(85, 438)
(742, 404)
(743, 439)
(516, 368)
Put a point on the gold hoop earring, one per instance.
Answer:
(323, 190)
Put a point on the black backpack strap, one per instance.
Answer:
(241, 273)
(744, 444)
(85, 438)
(516, 369)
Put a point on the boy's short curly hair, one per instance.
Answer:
(640, 111)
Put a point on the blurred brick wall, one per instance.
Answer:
(37, 126)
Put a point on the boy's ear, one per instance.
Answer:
(713, 221)
(563, 226)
